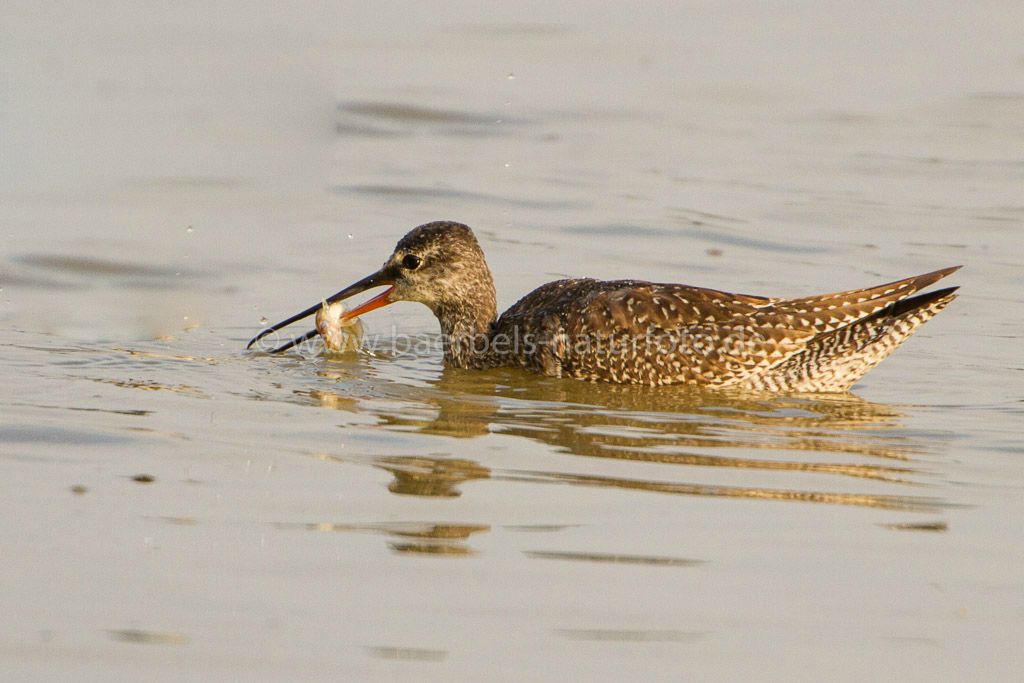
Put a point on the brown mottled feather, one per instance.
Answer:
(834, 360)
(831, 311)
(619, 331)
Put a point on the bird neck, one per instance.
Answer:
(466, 327)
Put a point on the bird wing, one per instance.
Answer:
(704, 335)
(636, 307)
(721, 337)
(690, 334)
(829, 312)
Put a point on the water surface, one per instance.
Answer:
(177, 508)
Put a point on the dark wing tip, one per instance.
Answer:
(921, 301)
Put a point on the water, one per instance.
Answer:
(173, 507)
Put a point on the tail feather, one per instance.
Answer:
(829, 312)
(922, 302)
(835, 360)
(904, 287)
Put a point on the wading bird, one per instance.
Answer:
(637, 332)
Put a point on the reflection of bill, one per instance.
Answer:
(408, 537)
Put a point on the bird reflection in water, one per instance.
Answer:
(665, 425)
(423, 476)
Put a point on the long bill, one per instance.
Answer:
(378, 279)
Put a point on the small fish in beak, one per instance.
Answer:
(340, 333)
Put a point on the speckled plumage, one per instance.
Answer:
(638, 332)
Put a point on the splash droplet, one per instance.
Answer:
(350, 235)
(511, 76)
(189, 230)
(263, 320)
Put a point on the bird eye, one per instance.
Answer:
(411, 262)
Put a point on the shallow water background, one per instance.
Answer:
(173, 508)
